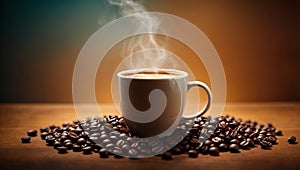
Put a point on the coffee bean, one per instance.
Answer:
(78, 130)
(44, 134)
(204, 150)
(125, 148)
(292, 139)
(222, 125)
(123, 136)
(193, 153)
(251, 142)
(110, 146)
(265, 144)
(63, 138)
(76, 122)
(26, 139)
(97, 146)
(69, 145)
(65, 124)
(103, 153)
(208, 142)
(261, 136)
(96, 150)
(272, 139)
(166, 156)
(263, 132)
(62, 149)
(120, 142)
(248, 130)
(57, 135)
(236, 141)
(32, 133)
(217, 140)
(113, 138)
(73, 137)
(270, 134)
(66, 141)
(50, 140)
(234, 148)
(194, 130)
(118, 153)
(65, 132)
(133, 152)
(57, 144)
(52, 127)
(106, 142)
(44, 129)
(233, 124)
(244, 144)
(194, 141)
(186, 147)
(76, 148)
(278, 133)
(241, 137)
(81, 141)
(253, 135)
(214, 151)
(234, 134)
(87, 150)
(223, 147)
(213, 145)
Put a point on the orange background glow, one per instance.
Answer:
(257, 41)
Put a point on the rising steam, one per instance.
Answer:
(149, 23)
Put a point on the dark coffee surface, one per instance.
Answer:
(154, 75)
(17, 119)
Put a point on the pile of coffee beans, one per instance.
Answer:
(203, 135)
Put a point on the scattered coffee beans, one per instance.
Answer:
(26, 139)
(204, 135)
(292, 139)
(32, 133)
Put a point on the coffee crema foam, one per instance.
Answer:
(154, 75)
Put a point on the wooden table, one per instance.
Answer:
(16, 119)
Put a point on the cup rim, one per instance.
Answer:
(181, 74)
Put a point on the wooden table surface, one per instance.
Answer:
(16, 119)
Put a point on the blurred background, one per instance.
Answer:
(257, 41)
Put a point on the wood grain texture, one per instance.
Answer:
(16, 119)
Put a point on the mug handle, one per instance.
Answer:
(206, 107)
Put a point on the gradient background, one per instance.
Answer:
(257, 41)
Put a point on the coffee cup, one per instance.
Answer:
(152, 100)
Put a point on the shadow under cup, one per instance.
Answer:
(152, 100)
